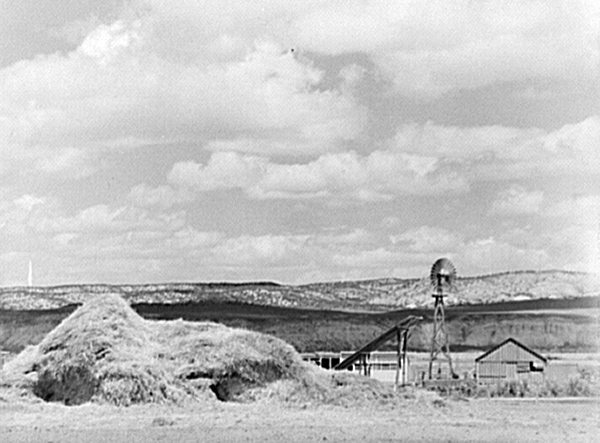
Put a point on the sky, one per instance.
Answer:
(296, 141)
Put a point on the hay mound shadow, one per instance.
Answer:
(105, 352)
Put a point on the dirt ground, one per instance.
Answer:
(490, 420)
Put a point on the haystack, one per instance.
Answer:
(106, 352)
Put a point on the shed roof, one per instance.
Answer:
(511, 340)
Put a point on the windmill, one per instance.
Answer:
(443, 274)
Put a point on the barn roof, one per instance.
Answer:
(511, 340)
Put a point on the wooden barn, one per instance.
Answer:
(510, 360)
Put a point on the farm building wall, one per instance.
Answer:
(510, 361)
(380, 365)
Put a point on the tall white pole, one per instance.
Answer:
(30, 276)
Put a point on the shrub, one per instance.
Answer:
(581, 385)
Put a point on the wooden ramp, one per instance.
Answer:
(400, 331)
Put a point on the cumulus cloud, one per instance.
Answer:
(419, 160)
(358, 236)
(249, 250)
(500, 153)
(485, 255)
(125, 241)
(427, 239)
(61, 162)
(165, 197)
(277, 95)
(106, 42)
(28, 201)
(378, 176)
(582, 209)
(517, 201)
(224, 76)
(65, 162)
(190, 239)
(118, 86)
(426, 47)
(224, 171)
(103, 218)
(578, 246)
(432, 47)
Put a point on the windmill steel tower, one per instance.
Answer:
(443, 274)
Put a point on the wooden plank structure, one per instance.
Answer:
(510, 360)
(400, 332)
(325, 360)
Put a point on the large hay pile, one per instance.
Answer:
(106, 352)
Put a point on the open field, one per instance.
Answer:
(573, 420)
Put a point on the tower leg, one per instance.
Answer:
(439, 340)
(404, 357)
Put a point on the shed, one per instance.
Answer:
(510, 360)
(326, 360)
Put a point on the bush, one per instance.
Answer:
(581, 385)
(509, 388)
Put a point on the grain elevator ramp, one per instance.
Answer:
(400, 332)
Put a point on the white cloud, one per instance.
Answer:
(102, 218)
(427, 239)
(427, 47)
(576, 247)
(581, 210)
(352, 238)
(117, 86)
(373, 258)
(221, 77)
(192, 239)
(164, 196)
(252, 250)
(420, 160)
(517, 201)
(486, 255)
(109, 41)
(66, 162)
(378, 176)
(431, 47)
(28, 201)
(224, 170)
(501, 153)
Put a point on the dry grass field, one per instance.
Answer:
(414, 420)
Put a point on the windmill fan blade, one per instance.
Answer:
(443, 273)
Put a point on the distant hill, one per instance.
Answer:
(368, 295)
